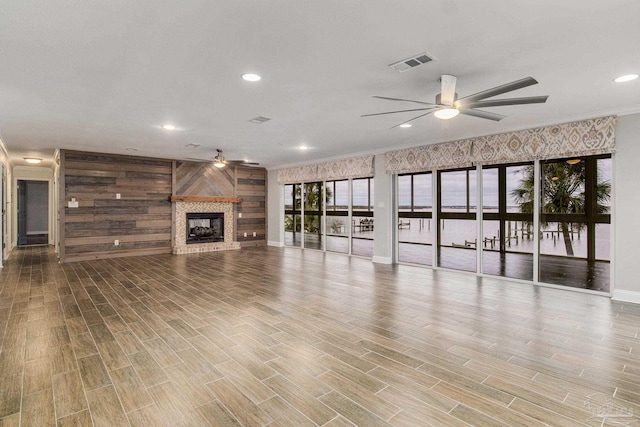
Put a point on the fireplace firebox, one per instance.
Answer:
(205, 227)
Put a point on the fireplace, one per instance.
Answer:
(185, 206)
(205, 227)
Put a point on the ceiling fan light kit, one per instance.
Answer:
(448, 105)
(219, 161)
(446, 113)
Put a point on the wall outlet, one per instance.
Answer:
(117, 195)
(254, 234)
(245, 234)
(116, 242)
(239, 214)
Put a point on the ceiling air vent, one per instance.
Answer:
(259, 120)
(414, 61)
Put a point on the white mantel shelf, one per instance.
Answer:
(214, 199)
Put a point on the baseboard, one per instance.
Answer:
(626, 296)
(276, 244)
(382, 260)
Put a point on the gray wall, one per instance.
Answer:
(275, 210)
(626, 209)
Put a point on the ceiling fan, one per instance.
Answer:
(219, 161)
(448, 105)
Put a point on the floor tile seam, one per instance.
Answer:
(560, 415)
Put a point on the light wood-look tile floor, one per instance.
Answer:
(284, 337)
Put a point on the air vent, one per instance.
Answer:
(259, 120)
(409, 63)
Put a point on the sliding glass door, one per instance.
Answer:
(338, 224)
(575, 222)
(362, 220)
(336, 216)
(507, 221)
(415, 210)
(457, 206)
(293, 215)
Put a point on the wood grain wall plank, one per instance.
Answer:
(251, 187)
(140, 219)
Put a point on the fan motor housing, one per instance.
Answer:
(439, 96)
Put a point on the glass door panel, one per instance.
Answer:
(313, 218)
(292, 215)
(362, 220)
(337, 195)
(574, 222)
(415, 207)
(457, 243)
(507, 198)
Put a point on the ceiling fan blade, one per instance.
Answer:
(483, 114)
(394, 112)
(405, 100)
(241, 163)
(410, 120)
(502, 102)
(191, 159)
(447, 89)
(498, 90)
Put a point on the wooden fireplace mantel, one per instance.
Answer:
(205, 199)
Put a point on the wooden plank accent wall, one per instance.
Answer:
(246, 183)
(251, 187)
(140, 219)
(203, 179)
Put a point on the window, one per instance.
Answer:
(349, 224)
(292, 214)
(313, 217)
(415, 209)
(337, 195)
(362, 221)
(456, 239)
(507, 214)
(574, 222)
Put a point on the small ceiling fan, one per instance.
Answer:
(219, 161)
(448, 105)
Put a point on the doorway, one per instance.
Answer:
(33, 212)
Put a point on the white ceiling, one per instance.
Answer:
(104, 76)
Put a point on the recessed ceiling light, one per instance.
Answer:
(303, 147)
(250, 77)
(446, 113)
(406, 125)
(32, 160)
(625, 78)
(168, 127)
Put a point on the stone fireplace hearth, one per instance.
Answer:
(182, 207)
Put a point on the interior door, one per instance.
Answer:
(22, 212)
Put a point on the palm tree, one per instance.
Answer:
(312, 203)
(563, 192)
